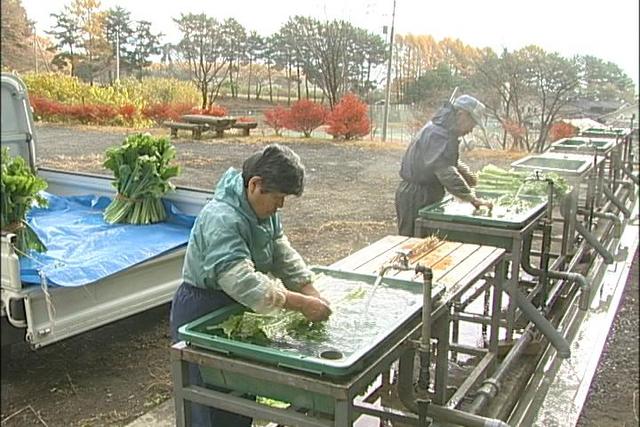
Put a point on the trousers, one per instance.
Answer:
(188, 304)
(410, 198)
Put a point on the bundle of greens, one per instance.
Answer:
(18, 193)
(142, 172)
(492, 179)
(262, 329)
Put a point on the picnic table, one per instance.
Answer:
(196, 129)
(217, 124)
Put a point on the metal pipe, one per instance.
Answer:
(618, 204)
(455, 416)
(555, 338)
(554, 255)
(617, 183)
(617, 230)
(425, 341)
(595, 243)
(630, 174)
(579, 279)
(491, 386)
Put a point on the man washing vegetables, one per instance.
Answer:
(237, 251)
(430, 165)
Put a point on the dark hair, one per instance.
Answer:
(279, 167)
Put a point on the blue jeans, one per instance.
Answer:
(190, 303)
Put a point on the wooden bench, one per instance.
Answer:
(245, 126)
(196, 129)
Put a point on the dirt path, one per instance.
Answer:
(111, 375)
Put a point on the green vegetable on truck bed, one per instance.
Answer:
(142, 172)
(18, 193)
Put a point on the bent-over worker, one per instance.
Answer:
(237, 251)
(431, 163)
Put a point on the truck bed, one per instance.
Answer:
(50, 314)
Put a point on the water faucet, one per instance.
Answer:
(399, 262)
(536, 175)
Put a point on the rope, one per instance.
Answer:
(44, 284)
(13, 227)
(127, 199)
(51, 310)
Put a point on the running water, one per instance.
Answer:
(519, 190)
(375, 286)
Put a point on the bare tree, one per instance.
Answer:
(202, 48)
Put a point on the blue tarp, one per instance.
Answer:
(82, 248)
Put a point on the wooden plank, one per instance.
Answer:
(438, 254)
(468, 263)
(450, 264)
(452, 291)
(372, 266)
(486, 263)
(358, 258)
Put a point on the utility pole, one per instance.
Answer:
(35, 48)
(117, 54)
(387, 96)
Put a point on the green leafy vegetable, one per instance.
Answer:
(141, 168)
(19, 192)
(264, 328)
(492, 179)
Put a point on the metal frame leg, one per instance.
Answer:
(343, 413)
(499, 278)
(180, 373)
(442, 333)
(455, 328)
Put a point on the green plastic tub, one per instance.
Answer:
(456, 213)
(358, 331)
(452, 210)
(584, 145)
(564, 164)
(604, 133)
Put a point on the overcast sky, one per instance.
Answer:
(606, 29)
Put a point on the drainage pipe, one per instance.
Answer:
(630, 174)
(531, 312)
(618, 204)
(491, 386)
(439, 413)
(456, 416)
(617, 230)
(595, 243)
(425, 341)
(579, 279)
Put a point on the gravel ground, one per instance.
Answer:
(112, 375)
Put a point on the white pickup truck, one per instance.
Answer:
(44, 314)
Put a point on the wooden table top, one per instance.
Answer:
(452, 263)
(209, 120)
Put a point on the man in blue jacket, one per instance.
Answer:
(431, 164)
(237, 251)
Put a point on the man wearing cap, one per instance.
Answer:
(430, 165)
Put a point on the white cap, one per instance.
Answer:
(472, 106)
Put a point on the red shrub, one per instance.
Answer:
(349, 118)
(91, 113)
(515, 130)
(561, 130)
(214, 110)
(304, 116)
(276, 118)
(160, 112)
(45, 108)
(245, 120)
(127, 111)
